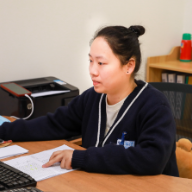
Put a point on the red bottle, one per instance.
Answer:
(185, 50)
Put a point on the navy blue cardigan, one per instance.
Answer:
(149, 123)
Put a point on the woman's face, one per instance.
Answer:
(106, 71)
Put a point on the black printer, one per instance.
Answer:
(47, 95)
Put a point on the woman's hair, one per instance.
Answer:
(123, 42)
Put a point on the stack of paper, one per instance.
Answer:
(32, 164)
(12, 151)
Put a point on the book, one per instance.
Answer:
(164, 77)
(181, 79)
(190, 80)
(186, 79)
(171, 77)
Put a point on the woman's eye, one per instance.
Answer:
(100, 63)
(90, 61)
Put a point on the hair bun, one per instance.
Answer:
(138, 29)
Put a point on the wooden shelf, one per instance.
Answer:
(158, 64)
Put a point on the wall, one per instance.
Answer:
(187, 26)
(41, 38)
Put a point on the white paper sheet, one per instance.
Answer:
(12, 151)
(45, 93)
(32, 164)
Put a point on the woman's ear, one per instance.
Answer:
(130, 66)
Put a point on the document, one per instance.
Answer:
(12, 151)
(45, 93)
(32, 164)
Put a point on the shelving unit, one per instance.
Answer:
(165, 63)
(158, 64)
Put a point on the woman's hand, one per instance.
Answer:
(64, 156)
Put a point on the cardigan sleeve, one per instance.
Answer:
(64, 123)
(154, 148)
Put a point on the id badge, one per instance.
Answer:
(127, 144)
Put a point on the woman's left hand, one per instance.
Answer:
(64, 156)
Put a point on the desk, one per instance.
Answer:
(79, 180)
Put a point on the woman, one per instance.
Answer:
(116, 105)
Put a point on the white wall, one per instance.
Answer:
(187, 21)
(41, 38)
